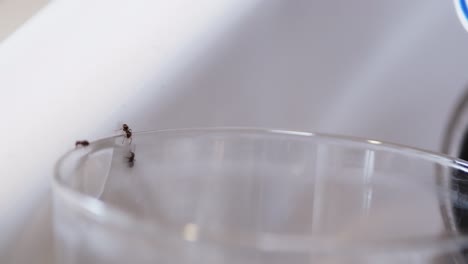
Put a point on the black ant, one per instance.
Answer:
(127, 131)
(131, 159)
(83, 143)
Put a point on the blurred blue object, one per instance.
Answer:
(462, 11)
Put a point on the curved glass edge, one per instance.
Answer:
(110, 215)
(440, 158)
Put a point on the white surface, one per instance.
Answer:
(386, 70)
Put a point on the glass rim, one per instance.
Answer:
(101, 212)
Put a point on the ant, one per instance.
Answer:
(83, 143)
(127, 131)
(131, 159)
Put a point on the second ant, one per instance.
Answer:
(127, 132)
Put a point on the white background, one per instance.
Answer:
(387, 70)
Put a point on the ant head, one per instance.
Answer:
(125, 126)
